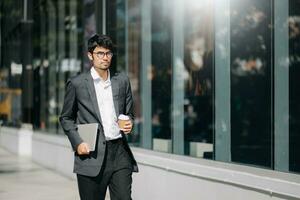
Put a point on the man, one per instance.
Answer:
(100, 96)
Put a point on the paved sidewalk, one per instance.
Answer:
(20, 178)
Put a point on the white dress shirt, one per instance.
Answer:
(106, 106)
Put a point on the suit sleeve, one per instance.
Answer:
(69, 115)
(129, 101)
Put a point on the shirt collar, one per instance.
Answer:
(96, 76)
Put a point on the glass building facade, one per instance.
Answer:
(210, 79)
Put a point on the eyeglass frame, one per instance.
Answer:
(101, 54)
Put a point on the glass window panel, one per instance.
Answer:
(251, 77)
(116, 30)
(294, 82)
(11, 68)
(123, 26)
(198, 62)
(134, 65)
(56, 57)
(161, 75)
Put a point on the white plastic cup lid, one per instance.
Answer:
(123, 117)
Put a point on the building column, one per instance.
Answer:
(178, 78)
(146, 89)
(281, 85)
(222, 81)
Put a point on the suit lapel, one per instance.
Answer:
(92, 92)
(115, 91)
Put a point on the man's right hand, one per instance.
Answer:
(83, 149)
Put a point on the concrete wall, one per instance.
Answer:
(49, 150)
(17, 140)
(54, 152)
(167, 176)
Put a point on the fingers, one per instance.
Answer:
(86, 149)
(83, 149)
(127, 128)
(128, 123)
(84, 152)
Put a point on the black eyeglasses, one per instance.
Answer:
(101, 54)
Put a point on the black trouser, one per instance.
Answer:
(116, 173)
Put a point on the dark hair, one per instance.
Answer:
(101, 41)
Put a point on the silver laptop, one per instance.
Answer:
(88, 132)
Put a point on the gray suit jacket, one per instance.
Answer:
(81, 107)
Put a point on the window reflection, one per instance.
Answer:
(123, 26)
(161, 75)
(56, 57)
(294, 72)
(250, 42)
(116, 22)
(198, 61)
(11, 64)
(134, 65)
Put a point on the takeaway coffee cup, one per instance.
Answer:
(122, 119)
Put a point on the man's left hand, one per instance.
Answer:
(128, 127)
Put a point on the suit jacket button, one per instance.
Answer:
(104, 142)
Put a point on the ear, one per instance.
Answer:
(90, 56)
